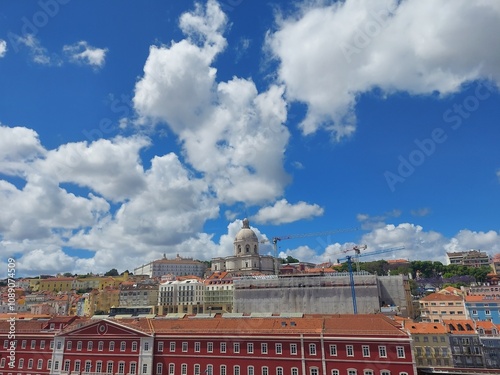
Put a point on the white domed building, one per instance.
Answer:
(246, 259)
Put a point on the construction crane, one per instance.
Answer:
(348, 258)
(277, 239)
(357, 251)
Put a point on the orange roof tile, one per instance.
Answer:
(425, 328)
(461, 327)
(441, 297)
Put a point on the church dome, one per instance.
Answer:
(245, 233)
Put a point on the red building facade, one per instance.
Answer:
(215, 345)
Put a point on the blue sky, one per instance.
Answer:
(131, 129)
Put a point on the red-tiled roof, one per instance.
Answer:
(440, 297)
(425, 328)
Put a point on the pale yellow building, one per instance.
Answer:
(431, 344)
(107, 298)
(57, 284)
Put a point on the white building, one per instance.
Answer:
(184, 296)
(246, 259)
(178, 266)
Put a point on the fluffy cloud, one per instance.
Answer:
(18, 147)
(349, 48)
(83, 53)
(3, 48)
(111, 168)
(229, 131)
(283, 212)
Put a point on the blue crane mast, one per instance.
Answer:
(348, 258)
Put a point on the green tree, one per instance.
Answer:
(289, 259)
(112, 272)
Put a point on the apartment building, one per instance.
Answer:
(471, 258)
(438, 306)
(431, 345)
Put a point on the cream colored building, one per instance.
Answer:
(246, 259)
(438, 306)
(181, 296)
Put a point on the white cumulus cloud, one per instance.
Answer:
(229, 131)
(283, 212)
(352, 47)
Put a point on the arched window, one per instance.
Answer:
(239, 248)
(247, 248)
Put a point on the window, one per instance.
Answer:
(76, 367)
(171, 369)
(295, 371)
(66, 365)
(426, 339)
(98, 366)
(33, 344)
(222, 370)
(88, 366)
(222, 347)
(279, 349)
(39, 364)
(367, 372)
(160, 346)
(417, 339)
(312, 349)
(172, 346)
(5, 344)
(121, 367)
(134, 346)
(132, 367)
(51, 344)
(351, 371)
(265, 370)
(184, 346)
(42, 344)
(487, 312)
(335, 372)
(89, 346)
(236, 370)
(111, 346)
(159, 368)
(109, 367)
(333, 350)
(349, 350)
(145, 368)
(209, 370)
(196, 369)
(210, 347)
(197, 347)
(279, 370)
(236, 347)
(385, 372)
(263, 348)
(434, 339)
(401, 351)
(30, 363)
(2, 362)
(382, 351)
(49, 364)
(250, 348)
(313, 371)
(79, 345)
(21, 363)
(123, 345)
(366, 351)
(250, 370)
(23, 344)
(100, 346)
